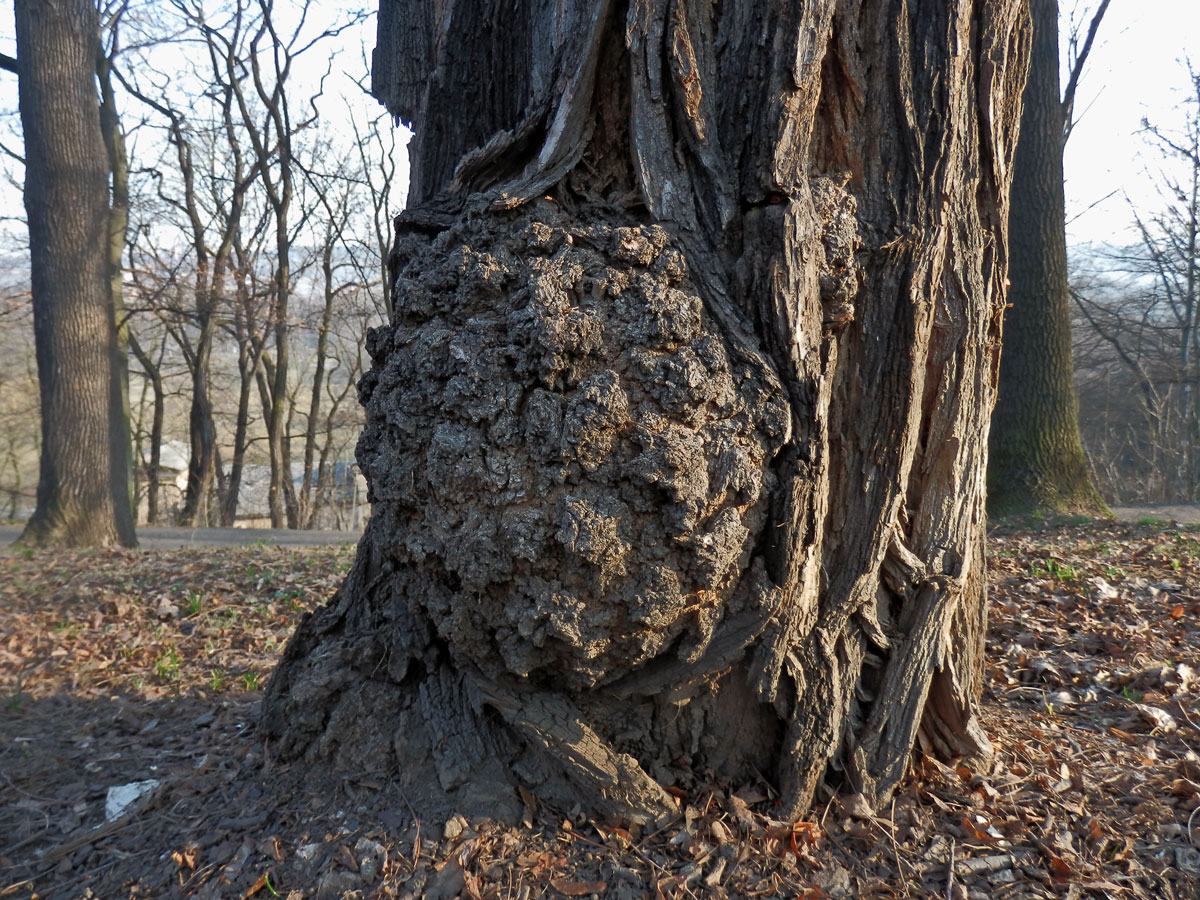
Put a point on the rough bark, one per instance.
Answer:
(83, 493)
(676, 440)
(1036, 456)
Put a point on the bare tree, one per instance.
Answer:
(349, 193)
(118, 222)
(19, 436)
(1143, 312)
(264, 103)
(83, 486)
(152, 373)
(210, 194)
(192, 208)
(378, 149)
(249, 334)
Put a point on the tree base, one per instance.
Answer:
(559, 581)
(1074, 495)
(563, 592)
(452, 741)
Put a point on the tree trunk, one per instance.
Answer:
(113, 134)
(676, 439)
(306, 503)
(83, 486)
(249, 360)
(1036, 457)
(202, 428)
(152, 372)
(229, 504)
(278, 439)
(207, 287)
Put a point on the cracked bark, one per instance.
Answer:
(676, 440)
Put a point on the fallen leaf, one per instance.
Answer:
(1160, 719)
(809, 832)
(256, 887)
(272, 848)
(974, 831)
(577, 888)
(1059, 869)
(1187, 859)
(857, 805)
(1184, 787)
(720, 832)
(346, 858)
(749, 795)
(1123, 735)
(471, 887)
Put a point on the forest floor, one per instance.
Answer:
(138, 673)
(174, 538)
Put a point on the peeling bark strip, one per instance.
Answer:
(676, 441)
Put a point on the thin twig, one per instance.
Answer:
(1068, 101)
(950, 873)
(33, 838)
(1188, 719)
(654, 867)
(896, 849)
(90, 836)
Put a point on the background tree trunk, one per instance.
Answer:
(113, 134)
(676, 440)
(152, 373)
(83, 488)
(1036, 458)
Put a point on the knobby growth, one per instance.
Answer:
(676, 439)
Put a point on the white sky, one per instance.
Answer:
(1136, 70)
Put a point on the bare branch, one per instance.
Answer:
(1068, 101)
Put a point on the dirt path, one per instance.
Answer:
(172, 538)
(1184, 514)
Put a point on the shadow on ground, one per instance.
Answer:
(157, 538)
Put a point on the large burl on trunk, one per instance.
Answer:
(676, 441)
